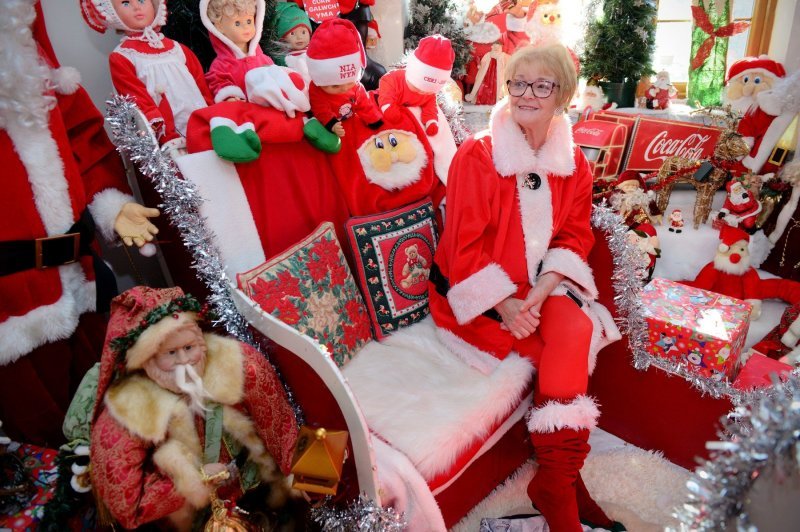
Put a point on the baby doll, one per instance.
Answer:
(427, 72)
(336, 60)
(163, 77)
(294, 28)
(489, 87)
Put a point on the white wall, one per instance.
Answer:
(785, 43)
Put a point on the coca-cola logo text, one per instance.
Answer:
(661, 147)
(592, 131)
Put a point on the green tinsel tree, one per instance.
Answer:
(438, 16)
(619, 45)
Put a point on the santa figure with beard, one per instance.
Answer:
(741, 208)
(631, 199)
(660, 92)
(175, 406)
(747, 80)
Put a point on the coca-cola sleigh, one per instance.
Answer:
(429, 435)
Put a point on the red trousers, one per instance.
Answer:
(559, 349)
(35, 390)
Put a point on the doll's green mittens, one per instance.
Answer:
(234, 142)
(320, 137)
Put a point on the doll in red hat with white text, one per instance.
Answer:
(336, 60)
(747, 79)
(427, 72)
(176, 406)
(164, 77)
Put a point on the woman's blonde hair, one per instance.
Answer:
(555, 59)
(229, 8)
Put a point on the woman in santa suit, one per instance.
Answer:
(510, 274)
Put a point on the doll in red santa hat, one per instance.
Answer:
(746, 80)
(730, 272)
(373, 35)
(631, 199)
(741, 208)
(427, 72)
(164, 77)
(336, 60)
(660, 92)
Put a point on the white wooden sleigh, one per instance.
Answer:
(430, 435)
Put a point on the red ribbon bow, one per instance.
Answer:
(701, 21)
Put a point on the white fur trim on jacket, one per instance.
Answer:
(66, 80)
(104, 209)
(513, 155)
(19, 335)
(771, 137)
(536, 212)
(573, 267)
(479, 292)
(231, 91)
(580, 413)
(254, 42)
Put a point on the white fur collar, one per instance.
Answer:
(513, 155)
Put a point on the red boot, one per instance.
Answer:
(559, 433)
(589, 510)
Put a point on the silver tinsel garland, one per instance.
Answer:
(626, 280)
(363, 515)
(454, 113)
(132, 137)
(757, 437)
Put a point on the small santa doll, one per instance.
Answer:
(730, 272)
(544, 24)
(660, 92)
(676, 221)
(336, 60)
(741, 208)
(631, 199)
(373, 35)
(427, 72)
(747, 79)
(163, 77)
(645, 238)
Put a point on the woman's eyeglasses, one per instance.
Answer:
(541, 88)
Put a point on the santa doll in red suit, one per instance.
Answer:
(164, 77)
(164, 390)
(741, 208)
(645, 238)
(62, 178)
(660, 92)
(336, 60)
(427, 72)
(481, 35)
(730, 273)
(746, 80)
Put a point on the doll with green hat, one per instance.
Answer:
(293, 27)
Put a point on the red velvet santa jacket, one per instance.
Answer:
(393, 90)
(167, 83)
(499, 235)
(147, 446)
(52, 172)
(762, 132)
(332, 108)
(226, 75)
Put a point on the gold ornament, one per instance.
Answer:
(223, 520)
(318, 459)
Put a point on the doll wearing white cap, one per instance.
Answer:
(163, 77)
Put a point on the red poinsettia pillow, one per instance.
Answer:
(310, 287)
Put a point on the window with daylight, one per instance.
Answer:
(674, 35)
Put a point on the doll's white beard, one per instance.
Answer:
(190, 383)
(738, 199)
(630, 200)
(25, 79)
(743, 104)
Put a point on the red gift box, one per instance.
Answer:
(704, 329)
(757, 370)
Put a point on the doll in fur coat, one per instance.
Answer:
(161, 380)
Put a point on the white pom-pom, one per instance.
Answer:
(66, 80)
(148, 250)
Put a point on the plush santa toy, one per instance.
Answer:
(592, 100)
(746, 80)
(544, 24)
(741, 208)
(660, 92)
(645, 238)
(730, 273)
(676, 221)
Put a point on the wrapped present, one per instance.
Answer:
(42, 473)
(704, 329)
(758, 370)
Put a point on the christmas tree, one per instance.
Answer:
(438, 16)
(619, 45)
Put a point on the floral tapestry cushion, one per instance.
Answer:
(393, 255)
(310, 288)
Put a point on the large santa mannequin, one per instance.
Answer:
(746, 80)
(59, 172)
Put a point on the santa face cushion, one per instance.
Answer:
(310, 288)
(393, 254)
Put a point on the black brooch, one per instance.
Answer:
(532, 181)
